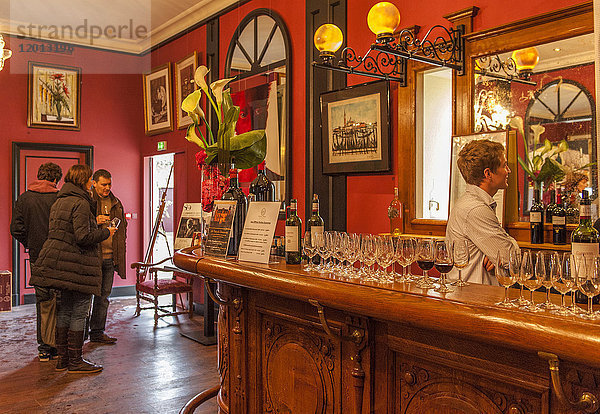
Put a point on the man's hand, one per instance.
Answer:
(487, 263)
(112, 230)
(101, 219)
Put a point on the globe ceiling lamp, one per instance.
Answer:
(383, 20)
(526, 60)
(328, 39)
(4, 53)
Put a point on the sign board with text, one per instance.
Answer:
(220, 227)
(259, 229)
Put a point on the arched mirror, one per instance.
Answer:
(259, 58)
(557, 105)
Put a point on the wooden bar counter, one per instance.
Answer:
(297, 342)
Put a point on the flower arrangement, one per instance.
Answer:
(59, 93)
(248, 149)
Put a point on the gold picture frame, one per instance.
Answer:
(53, 96)
(184, 85)
(158, 111)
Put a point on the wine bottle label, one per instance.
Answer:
(292, 238)
(315, 206)
(535, 217)
(559, 221)
(585, 211)
(583, 252)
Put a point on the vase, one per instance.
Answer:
(58, 106)
(213, 185)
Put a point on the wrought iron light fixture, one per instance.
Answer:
(517, 68)
(4, 53)
(386, 58)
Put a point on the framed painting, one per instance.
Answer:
(158, 113)
(53, 96)
(458, 184)
(184, 85)
(356, 129)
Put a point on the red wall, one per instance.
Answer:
(111, 121)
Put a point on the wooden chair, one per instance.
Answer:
(150, 287)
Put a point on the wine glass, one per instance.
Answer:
(506, 276)
(309, 250)
(386, 256)
(588, 282)
(552, 273)
(564, 281)
(532, 275)
(352, 254)
(323, 249)
(406, 250)
(367, 247)
(443, 264)
(425, 260)
(460, 249)
(318, 241)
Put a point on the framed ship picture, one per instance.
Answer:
(356, 129)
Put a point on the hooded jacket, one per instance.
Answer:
(70, 257)
(118, 240)
(31, 214)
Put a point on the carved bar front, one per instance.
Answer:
(298, 342)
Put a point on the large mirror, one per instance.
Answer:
(259, 58)
(557, 105)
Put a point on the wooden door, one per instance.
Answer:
(27, 158)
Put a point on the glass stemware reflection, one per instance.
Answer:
(425, 261)
(386, 257)
(460, 251)
(564, 281)
(588, 282)
(443, 264)
(506, 275)
(533, 270)
(552, 272)
(309, 250)
(408, 256)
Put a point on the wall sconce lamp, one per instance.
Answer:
(517, 68)
(386, 58)
(4, 53)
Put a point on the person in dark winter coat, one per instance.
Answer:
(70, 261)
(29, 225)
(109, 207)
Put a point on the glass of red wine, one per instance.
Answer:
(425, 261)
(443, 263)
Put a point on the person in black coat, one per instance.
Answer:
(29, 225)
(70, 261)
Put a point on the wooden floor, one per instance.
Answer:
(147, 371)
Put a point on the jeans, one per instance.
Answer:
(100, 307)
(42, 294)
(73, 308)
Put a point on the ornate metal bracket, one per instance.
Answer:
(215, 296)
(356, 336)
(587, 403)
(494, 67)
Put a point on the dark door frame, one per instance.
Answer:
(17, 147)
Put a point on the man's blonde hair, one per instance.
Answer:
(478, 155)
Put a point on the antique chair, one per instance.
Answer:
(150, 287)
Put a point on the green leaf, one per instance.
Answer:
(251, 156)
(227, 101)
(525, 167)
(211, 153)
(551, 170)
(246, 139)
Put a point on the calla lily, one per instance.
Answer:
(547, 146)
(563, 146)
(517, 123)
(199, 78)
(217, 89)
(191, 104)
(537, 131)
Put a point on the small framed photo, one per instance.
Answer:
(158, 111)
(184, 85)
(356, 129)
(53, 96)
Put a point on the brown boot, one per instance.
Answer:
(62, 356)
(78, 365)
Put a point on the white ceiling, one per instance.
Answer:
(71, 21)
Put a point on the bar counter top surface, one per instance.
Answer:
(468, 312)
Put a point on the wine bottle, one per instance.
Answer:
(536, 221)
(395, 215)
(571, 209)
(262, 187)
(293, 235)
(559, 222)
(550, 207)
(234, 192)
(315, 223)
(585, 239)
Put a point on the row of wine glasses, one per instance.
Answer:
(565, 273)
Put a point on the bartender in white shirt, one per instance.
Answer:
(483, 165)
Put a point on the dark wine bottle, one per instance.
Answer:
(262, 187)
(585, 240)
(293, 235)
(536, 221)
(234, 192)
(315, 223)
(559, 222)
(550, 207)
(571, 209)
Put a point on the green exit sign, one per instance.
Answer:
(161, 146)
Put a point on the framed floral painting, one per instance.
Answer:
(184, 85)
(158, 111)
(54, 96)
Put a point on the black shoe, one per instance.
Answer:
(102, 338)
(44, 356)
